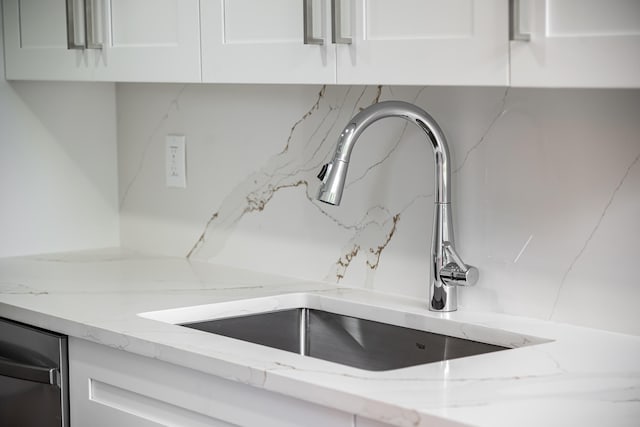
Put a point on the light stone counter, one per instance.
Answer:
(580, 377)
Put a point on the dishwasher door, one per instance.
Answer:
(33, 377)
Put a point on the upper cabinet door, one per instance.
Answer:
(37, 40)
(148, 40)
(440, 42)
(102, 40)
(259, 41)
(578, 43)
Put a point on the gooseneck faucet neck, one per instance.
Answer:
(338, 167)
(447, 269)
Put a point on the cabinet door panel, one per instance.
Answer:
(42, 25)
(457, 42)
(110, 387)
(35, 42)
(250, 41)
(417, 19)
(578, 43)
(278, 21)
(149, 40)
(160, 19)
(365, 422)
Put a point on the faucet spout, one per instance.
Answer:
(447, 269)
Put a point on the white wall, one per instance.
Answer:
(58, 172)
(546, 190)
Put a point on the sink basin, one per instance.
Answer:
(343, 339)
(353, 334)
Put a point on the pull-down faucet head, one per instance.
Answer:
(334, 174)
(447, 269)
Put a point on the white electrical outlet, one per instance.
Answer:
(176, 161)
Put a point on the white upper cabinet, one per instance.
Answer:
(554, 43)
(102, 40)
(355, 41)
(35, 42)
(151, 40)
(440, 42)
(260, 41)
(577, 43)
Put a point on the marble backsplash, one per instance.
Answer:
(546, 190)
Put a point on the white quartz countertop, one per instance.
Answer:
(580, 377)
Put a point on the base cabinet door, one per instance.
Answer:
(110, 387)
(365, 422)
(577, 43)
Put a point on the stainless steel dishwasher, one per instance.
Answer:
(33, 377)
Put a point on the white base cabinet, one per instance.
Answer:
(110, 387)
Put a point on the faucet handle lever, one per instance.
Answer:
(448, 248)
(457, 272)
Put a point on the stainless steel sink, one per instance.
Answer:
(362, 330)
(352, 341)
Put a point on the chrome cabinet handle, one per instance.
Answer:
(307, 6)
(31, 373)
(336, 21)
(71, 27)
(515, 33)
(89, 26)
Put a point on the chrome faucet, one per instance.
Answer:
(448, 271)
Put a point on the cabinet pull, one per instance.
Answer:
(26, 372)
(89, 25)
(336, 20)
(307, 6)
(71, 27)
(515, 33)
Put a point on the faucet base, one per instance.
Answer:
(443, 298)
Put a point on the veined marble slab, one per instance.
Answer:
(581, 376)
(545, 183)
